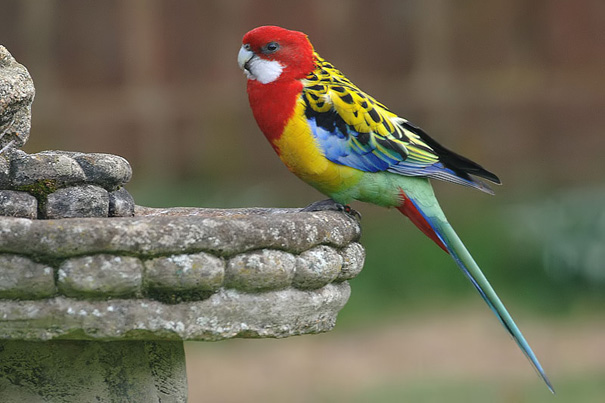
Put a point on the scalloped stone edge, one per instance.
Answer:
(189, 274)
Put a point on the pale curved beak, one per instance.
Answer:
(243, 58)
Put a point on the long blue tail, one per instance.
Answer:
(430, 219)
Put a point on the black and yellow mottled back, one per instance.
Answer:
(354, 129)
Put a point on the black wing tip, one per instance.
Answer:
(477, 170)
(483, 173)
(462, 166)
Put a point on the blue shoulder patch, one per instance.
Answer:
(347, 149)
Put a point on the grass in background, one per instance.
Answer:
(584, 389)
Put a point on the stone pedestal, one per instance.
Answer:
(77, 371)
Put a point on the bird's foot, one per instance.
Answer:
(331, 205)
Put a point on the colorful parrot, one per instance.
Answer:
(349, 146)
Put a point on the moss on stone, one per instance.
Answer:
(171, 297)
(40, 190)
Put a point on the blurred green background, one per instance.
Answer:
(517, 85)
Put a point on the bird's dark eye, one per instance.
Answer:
(271, 47)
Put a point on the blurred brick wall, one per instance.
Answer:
(517, 85)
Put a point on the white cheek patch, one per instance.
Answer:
(265, 71)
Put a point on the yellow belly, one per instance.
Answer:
(300, 152)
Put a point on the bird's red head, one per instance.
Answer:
(271, 53)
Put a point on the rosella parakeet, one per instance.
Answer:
(349, 146)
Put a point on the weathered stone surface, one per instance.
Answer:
(142, 211)
(317, 267)
(100, 276)
(16, 96)
(260, 270)
(225, 235)
(121, 203)
(105, 170)
(30, 169)
(18, 204)
(5, 165)
(77, 201)
(109, 171)
(22, 278)
(70, 184)
(184, 274)
(173, 275)
(225, 314)
(69, 371)
(353, 258)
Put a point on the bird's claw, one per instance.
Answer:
(331, 205)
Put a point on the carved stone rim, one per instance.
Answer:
(181, 274)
